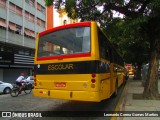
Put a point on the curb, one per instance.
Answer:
(121, 102)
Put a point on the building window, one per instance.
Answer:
(43, 23)
(32, 33)
(41, 8)
(15, 9)
(30, 2)
(40, 22)
(29, 33)
(29, 16)
(3, 23)
(38, 6)
(12, 7)
(15, 28)
(18, 29)
(26, 32)
(18, 11)
(12, 26)
(3, 3)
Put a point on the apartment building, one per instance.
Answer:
(20, 21)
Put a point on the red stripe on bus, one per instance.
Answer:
(65, 27)
(64, 56)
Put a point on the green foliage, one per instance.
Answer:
(129, 34)
(48, 2)
(71, 8)
(128, 41)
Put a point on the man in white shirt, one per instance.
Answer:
(19, 81)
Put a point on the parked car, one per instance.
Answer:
(5, 87)
(31, 80)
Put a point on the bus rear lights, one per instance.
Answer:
(35, 84)
(93, 75)
(35, 78)
(92, 85)
(93, 80)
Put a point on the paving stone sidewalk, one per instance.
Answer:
(148, 107)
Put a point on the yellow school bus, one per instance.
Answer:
(76, 62)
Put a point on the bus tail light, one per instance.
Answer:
(92, 85)
(93, 80)
(93, 75)
(35, 80)
(35, 84)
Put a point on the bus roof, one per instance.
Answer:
(65, 27)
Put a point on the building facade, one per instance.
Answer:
(20, 21)
(61, 18)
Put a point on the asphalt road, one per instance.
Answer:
(30, 103)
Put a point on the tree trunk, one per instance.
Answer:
(151, 85)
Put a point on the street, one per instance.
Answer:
(30, 103)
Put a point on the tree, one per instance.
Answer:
(129, 43)
(144, 14)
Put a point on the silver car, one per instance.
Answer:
(5, 88)
(30, 79)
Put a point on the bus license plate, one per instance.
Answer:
(60, 84)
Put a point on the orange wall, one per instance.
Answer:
(50, 17)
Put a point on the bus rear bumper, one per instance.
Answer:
(68, 95)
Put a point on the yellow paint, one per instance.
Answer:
(78, 86)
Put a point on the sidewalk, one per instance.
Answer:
(130, 104)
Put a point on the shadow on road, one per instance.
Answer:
(78, 110)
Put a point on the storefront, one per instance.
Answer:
(15, 60)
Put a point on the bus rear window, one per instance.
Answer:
(65, 42)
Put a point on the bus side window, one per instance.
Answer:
(107, 67)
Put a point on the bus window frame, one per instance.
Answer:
(63, 56)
